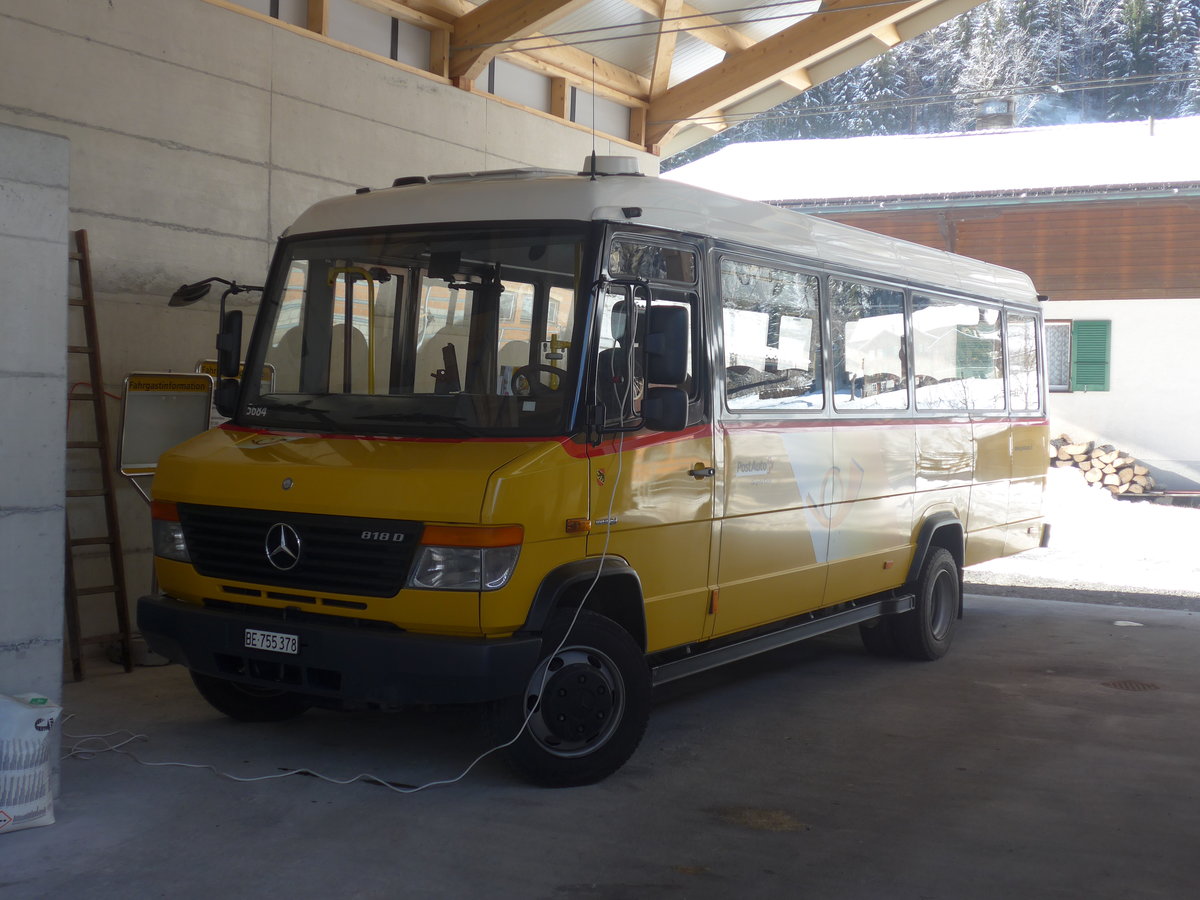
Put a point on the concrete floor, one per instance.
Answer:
(1052, 754)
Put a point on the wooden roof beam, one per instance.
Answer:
(798, 79)
(405, 13)
(484, 32)
(699, 25)
(838, 24)
(887, 34)
(664, 48)
(550, 56)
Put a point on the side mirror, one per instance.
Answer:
(665, 409)
(666, 344)
(225, 397)
(187, 294)
(229, 344)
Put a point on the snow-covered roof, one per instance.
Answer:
(1156, 152)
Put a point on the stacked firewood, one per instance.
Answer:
(1103, 466)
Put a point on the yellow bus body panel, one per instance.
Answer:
(649, 511)
(774, 539)
(535, 484)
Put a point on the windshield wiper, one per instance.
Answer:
(319, 414)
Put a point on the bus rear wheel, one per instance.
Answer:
(247, 703)
(585, 708)
(926, 631)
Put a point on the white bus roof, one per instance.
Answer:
(535, 194)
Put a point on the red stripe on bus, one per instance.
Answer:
(243, 429)
(789, 424)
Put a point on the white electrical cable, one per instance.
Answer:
(80, 751)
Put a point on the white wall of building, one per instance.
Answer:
(33, 390)
(197, 134)
(1150, 409)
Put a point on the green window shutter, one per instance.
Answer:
(1090, 356)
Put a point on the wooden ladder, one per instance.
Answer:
(80, 501)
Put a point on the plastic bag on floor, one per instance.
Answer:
(26, 724)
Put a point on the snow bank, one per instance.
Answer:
(1100, 543)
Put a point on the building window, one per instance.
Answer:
(1078, 355)
(1058, 355)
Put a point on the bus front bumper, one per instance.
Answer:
(336, 663)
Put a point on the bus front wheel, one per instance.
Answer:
(585, 708)
(927, 630)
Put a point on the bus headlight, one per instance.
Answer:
(167, 532)
(466, 559)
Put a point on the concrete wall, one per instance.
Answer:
(33, 373)
(1154, 384)
(197, 134)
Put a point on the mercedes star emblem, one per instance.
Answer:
(283, 546)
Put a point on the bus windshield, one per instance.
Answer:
(446, 333)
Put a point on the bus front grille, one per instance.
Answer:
(333, 554)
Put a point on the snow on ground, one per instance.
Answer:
(1100, 543)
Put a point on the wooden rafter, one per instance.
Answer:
(407, 13)
(317, 16)
(550, 57)
(664, 48)
(700, 25)
(839, 24)
(464, 37)
(485, 31)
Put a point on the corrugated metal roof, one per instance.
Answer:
(613, 31)
(758, 20)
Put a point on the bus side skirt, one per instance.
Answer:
(809, 625)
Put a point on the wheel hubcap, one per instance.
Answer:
(581, 702)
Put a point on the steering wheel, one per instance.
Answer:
(534, 387)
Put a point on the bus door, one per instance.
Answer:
(772, 537)
(652, 492)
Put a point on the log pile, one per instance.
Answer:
(1103, 466)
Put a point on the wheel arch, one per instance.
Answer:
(940, 529)
(617, 595)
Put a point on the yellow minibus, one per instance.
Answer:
(544, 440)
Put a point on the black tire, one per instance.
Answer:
(591, 712)
(877, 636)
(247, 703)
(927, 631)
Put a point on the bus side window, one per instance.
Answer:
(772, 337)
(957, 355)
(870, 371)
(620, 383)
(1024, 391)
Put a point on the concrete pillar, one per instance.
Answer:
(33, 390)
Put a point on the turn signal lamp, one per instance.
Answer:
(167, 531)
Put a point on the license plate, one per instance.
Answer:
(272, 641)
